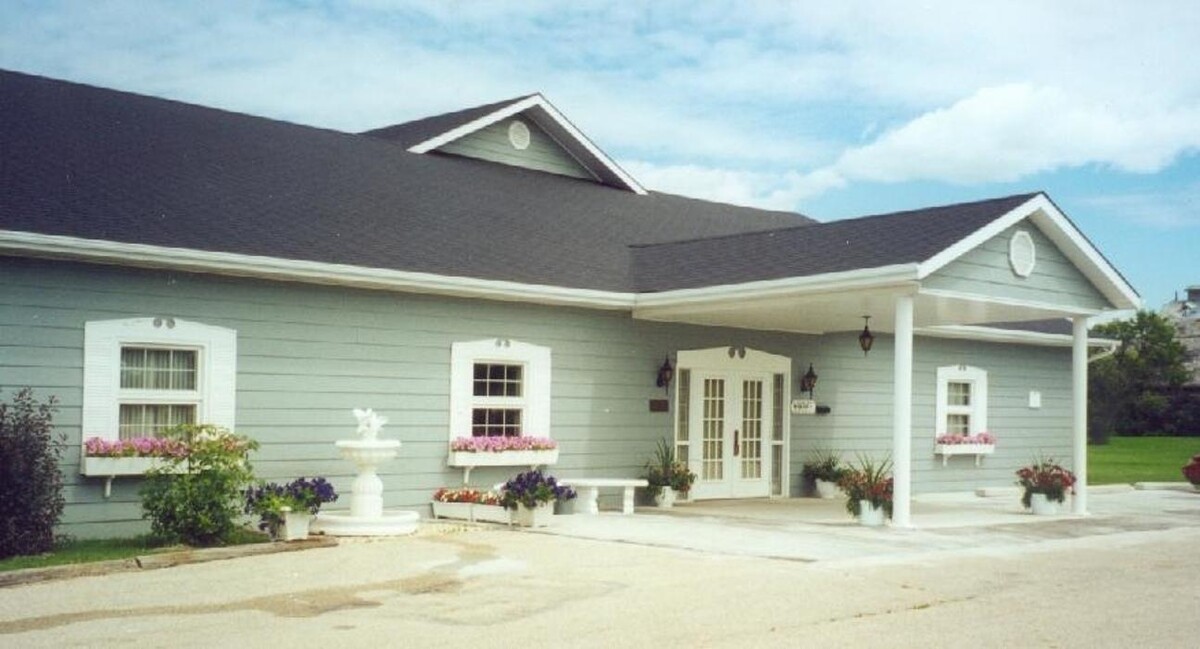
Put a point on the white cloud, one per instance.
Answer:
(780, 191)
(1173, 210)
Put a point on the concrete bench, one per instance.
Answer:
(588, 490)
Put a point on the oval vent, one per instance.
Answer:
(518, 134)
(1021, 253)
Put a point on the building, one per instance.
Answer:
(493, 272)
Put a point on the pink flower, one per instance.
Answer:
(501, 444)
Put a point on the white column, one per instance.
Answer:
(1079, 380)
(902, 413)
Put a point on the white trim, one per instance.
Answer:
(996, 335)
(102, 341)
(1008, 301)
(1079, 414)
(885, 276)
(227, 263)
(977, 411)
(535, 401)
(902, 398)
(514, 108)
(1059, 229)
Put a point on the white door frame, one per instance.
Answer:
(736, 364)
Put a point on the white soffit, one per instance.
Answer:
(558, 127)
(1042, 212)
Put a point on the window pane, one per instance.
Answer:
(958, 424)
(158, 369)
(958, 394)
(150, 420)
(496, 422)
(497, 380)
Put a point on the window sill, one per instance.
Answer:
(978, 450)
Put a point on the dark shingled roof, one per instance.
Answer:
(101, 164)
(412, 133)
(867, 242)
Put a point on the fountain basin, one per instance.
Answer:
(385, 524)
(369, 452)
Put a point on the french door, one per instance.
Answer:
(731, 415)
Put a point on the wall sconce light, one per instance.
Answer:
(866, 338)
(808, 381)
(665, 374)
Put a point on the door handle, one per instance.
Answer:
(736, 446)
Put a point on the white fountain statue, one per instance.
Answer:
(366, 517)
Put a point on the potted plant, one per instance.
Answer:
(868, 489)
(533, 495)
(668, 479)
(1191, 471)
(823, 472)
(1045, 485)
(286, 510)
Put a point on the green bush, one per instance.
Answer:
(197, 498)
(30, 483)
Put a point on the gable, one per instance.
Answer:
(988, 270)
(520, 142)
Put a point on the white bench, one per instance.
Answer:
(588, 490)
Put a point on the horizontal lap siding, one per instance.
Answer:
(986, 271)
(543, 153)
(858, 389)
(307, 355)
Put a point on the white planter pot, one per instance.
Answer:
(295, 526)
(1042, 505)
(869, 515)
(114, 466)
(666, 498)
(491, 514)
(539, 516)
(502, 458)
(827, 490)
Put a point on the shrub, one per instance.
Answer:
(200, 504)
(31, 498)
(1191, 470)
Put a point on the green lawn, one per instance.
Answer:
(91, 550)
(1140, 459)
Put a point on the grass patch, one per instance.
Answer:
(74, 551)
(1140, 459)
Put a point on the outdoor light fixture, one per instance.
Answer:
(808, 381)
(866, 338)
(665, 374)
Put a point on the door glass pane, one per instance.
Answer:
(777, 409)
(713, 430)
(682, 412)
(777, 469)
(752, 432)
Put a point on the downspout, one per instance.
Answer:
(1112, 349)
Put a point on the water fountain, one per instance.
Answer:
(366, 517)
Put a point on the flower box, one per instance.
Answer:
(473, 512)
(115, 466)
(503, 458)
(978, 450)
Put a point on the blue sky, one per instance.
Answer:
(829, 109)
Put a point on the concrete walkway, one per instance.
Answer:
(751, 574)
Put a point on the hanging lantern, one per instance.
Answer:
(665, 374)
(866, 338)
(808, 381)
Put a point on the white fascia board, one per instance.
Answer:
(1011, 302)
(224, 263)
(899, 274)
(1062, 232)
(514, 108)
(995, 335)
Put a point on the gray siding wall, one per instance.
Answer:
(543, 153)
(986, 271)
(858, 388)
(309, 354)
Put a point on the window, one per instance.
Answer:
(499, 388)
(961, 400)
(145, 375)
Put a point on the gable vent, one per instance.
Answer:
(518, 135)
(1022, 254)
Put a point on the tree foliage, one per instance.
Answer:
(31, 499)
(1136, 391)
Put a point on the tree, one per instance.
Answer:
(1130, 392)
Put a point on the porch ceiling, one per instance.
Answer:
(817, 313)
